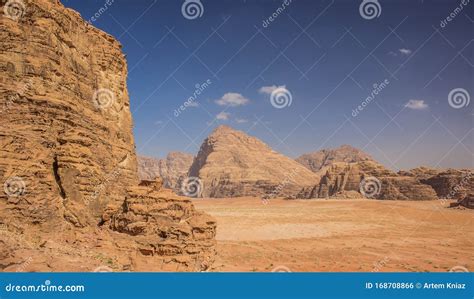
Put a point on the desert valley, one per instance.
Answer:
(78, 197)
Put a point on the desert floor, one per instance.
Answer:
(340, 235)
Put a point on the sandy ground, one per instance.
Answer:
(340, 235)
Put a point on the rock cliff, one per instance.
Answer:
(315, 161)
(173, 169)
(67, 157)
(230, 163)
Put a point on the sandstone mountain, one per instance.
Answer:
(448, 183)
(173, 169)
(231, 163)
(68, 166)
(345, 153)
(367, 179)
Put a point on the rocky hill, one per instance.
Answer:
(367, 179)
(231, 163)
(315, 161)
(173, 169)
(67, 157)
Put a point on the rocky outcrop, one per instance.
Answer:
(230, 163)
(173, 169)
(367, 179)
(451, 183)
(166, 228)
(67, 154)
(467, 202)
(345, 153)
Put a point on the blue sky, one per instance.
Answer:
(325, 56)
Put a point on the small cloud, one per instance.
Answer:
(223, 116)
(158, 122)
(391, 53)
(232, 99)
(269, 89)
(416, 105)
(241, 120)
(404, 51)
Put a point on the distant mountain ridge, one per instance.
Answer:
(317, 160)
(172, 169)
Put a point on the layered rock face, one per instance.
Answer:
(173, 169)
(317, 160)
(69, 149)
(231, 163)
(67, 157)
(367, 179)
(451, 183)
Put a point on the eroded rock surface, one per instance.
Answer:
(316, 161)
(67, 159)
(369, 179)
(173, 169)
(231, 163)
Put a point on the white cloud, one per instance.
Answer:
(232, 99)
(223, 116)
(269, 89)
(241, 120)
(416, 105)
(193, 104)
(404, 51)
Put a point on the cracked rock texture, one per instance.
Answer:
(231, 163)
(173, 169)
(67, 157)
